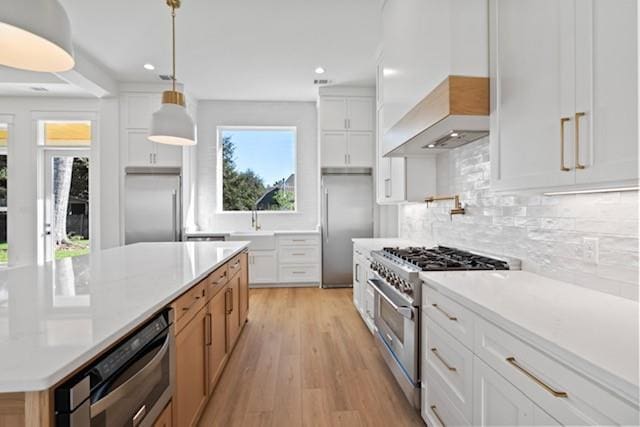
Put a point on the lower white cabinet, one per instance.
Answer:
(363, 297)
(499, 403)
(263, 267)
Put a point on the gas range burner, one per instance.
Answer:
(442, 258)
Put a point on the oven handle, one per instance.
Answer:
(403, 310)
(132, 383)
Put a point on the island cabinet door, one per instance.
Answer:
(191, 384)
(244, 288)
(216, 337)
(233, 310)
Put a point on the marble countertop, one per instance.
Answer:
(375, 244)
(201, 233)
(56, 317)
(595, 332)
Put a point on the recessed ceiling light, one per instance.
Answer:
(454, 134)
(149, 67)
(431, 145)
(319, 70)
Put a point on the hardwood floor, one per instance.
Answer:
(306, 359)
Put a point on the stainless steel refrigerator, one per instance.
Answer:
(153, 211)
(347, 213)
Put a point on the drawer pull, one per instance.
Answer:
(450, 317)
(236, 265)
(187, 308)
(435, 412)
(449, 367)
(298, 272)
(298, 254)
(512, 361)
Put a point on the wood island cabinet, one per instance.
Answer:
(166, 417)
(232, 303)
(244, 288)
(217, 337)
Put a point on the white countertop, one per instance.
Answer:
(200, 233)
(376, 244)
(593, 331)
(56, 317)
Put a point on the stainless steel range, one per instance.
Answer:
(398, 296)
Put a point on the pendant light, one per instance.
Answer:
(35, 35)
(171, 124)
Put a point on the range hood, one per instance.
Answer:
(455, 113)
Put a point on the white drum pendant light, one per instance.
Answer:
(171, 124)
(35, 35)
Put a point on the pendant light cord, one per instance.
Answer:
(173, 32)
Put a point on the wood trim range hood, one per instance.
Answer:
(455, 113)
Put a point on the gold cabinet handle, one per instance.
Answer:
(435, 412)
(563, 120)
(207, 330)
(450, 317)
(513, 362)
(444, 362)
(578, 165)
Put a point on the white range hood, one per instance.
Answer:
(455, 113)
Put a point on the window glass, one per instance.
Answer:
(67, 133)
(4, 139)
(258, 169)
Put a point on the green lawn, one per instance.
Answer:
(77, 247)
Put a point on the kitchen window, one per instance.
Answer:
(4, 142)
(258, 168)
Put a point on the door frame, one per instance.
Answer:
(92, 152)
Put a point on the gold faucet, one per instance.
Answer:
(254, 219)
(457, 206)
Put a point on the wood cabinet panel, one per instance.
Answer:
(244, 288)
(191, 382)
(233, 311)
(216, 339)
(187, 305)
(166, 417)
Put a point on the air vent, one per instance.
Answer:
(164, 77)
(39, 89)
(321, 82)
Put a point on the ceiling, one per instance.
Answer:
(234, 49)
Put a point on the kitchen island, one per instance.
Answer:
(57, 317)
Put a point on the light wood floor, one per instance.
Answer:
(306, 359)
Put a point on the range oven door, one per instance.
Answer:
(397, 323)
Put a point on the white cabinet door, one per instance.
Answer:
(357, 287)
(532, 74)
(139, 148)
(498, 403)
(607, 89)
(167, 155)
(360, 114)
(263, 267)
(334, 149)
(333, 113)
(360, 149)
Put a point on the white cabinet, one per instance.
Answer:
(363, 297)
(263, 267)
(347, 131)
(564, 93)
(299, 259)
(136, 111)
(346, 113)
(498, 403)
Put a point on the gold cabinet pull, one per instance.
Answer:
(435, 412)
(207, 330)
(513, 362)
(563, 120)
(450, 317)
(446, 365)
(578, 165)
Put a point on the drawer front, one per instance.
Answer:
(234, 265)
(302, 273)
(299, 254)
(188, 304)
(437, 409)
(217, 280)
(448, 314)
(563, 393)
(445, 357)
(300, 240)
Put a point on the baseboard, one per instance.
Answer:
(283, 285)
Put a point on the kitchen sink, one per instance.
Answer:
(260, 240)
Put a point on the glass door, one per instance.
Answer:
(67, 203)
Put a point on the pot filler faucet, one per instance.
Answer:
(254, 219)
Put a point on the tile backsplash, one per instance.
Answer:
(546, 232)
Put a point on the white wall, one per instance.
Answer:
(23, 179)
(546, 232)
(302, 115)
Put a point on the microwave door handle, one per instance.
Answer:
(129, 387)
(403, 310)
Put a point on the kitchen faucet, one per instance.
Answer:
(254, 219)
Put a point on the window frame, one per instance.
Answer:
(7, 119)
(220, 184)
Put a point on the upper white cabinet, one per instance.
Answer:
(563, 93)
(425, 41)
(347, 127)
(136, 111)
(346, 113)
